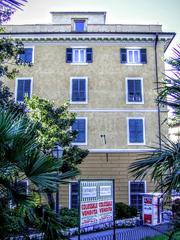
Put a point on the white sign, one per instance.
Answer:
(105, 191)
(89, 192)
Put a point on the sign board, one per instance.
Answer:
(152, 208)
(96, 202)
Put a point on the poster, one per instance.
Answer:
(96, 202)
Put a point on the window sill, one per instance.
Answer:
(78, 103)
(134, 103)
(137, 144)
(79, 144)
(133, 64)
(79, 63)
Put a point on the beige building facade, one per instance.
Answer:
(109, 74)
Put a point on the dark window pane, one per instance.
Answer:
(26, 57)
(74, 195)
(79, 90)
(134, 91)
(80, 126)
(79, 26)
(136, 131)
(23, 89)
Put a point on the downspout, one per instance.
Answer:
(157, 87)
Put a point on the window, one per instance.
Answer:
(80, 125)
(136, 188)
(74, 195)
(78, 90)
(23, 88)
(79, 55)
(133, 56)
(79, 25)
(27, 56)
(136, 131)
(134, 90)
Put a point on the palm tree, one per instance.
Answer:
(12, 4)
(21, 160)
(163, 166)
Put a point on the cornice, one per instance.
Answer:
(92, 37)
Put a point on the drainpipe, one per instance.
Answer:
(157, 87)
(159, 113)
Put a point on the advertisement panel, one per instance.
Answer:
(96, 202)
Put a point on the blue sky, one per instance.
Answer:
(165, 12)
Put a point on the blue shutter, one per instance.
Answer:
(75, 90)
(82, 90)
(130, 90)
(132, 133)
(69, 55)
(143, 56)
(123, 55)
(20, 91)
(89, 55)
(139, 131)
(26, 57)
(138, 91)
(27, 88)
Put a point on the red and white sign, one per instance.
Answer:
(96, 203)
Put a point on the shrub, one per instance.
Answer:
(69, 217)
(122, 210)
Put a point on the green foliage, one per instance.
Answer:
(69, 217)
(54, 125)
(10, 49)
(123, 210)
(162, 166)
(169, 90)
(21, 158)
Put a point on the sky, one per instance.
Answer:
(165, 12)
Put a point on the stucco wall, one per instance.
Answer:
(106, 90)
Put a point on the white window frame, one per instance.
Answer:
(128, 135)
(69, 197)
(16, 86)
(73, 56)
(86, 83)
(86, 132)
(129, 186)
(139, 56)
(142, 89)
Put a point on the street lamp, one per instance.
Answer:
(57, 153)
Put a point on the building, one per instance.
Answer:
(110, 74)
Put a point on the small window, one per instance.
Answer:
(78, 90)
(136, 131)
(79, 55)
(133, 56)
(23, 88)
(74, 195)
(79, 25)
(136, 188)
(26, 56)
(134, 93)
(80, 125)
